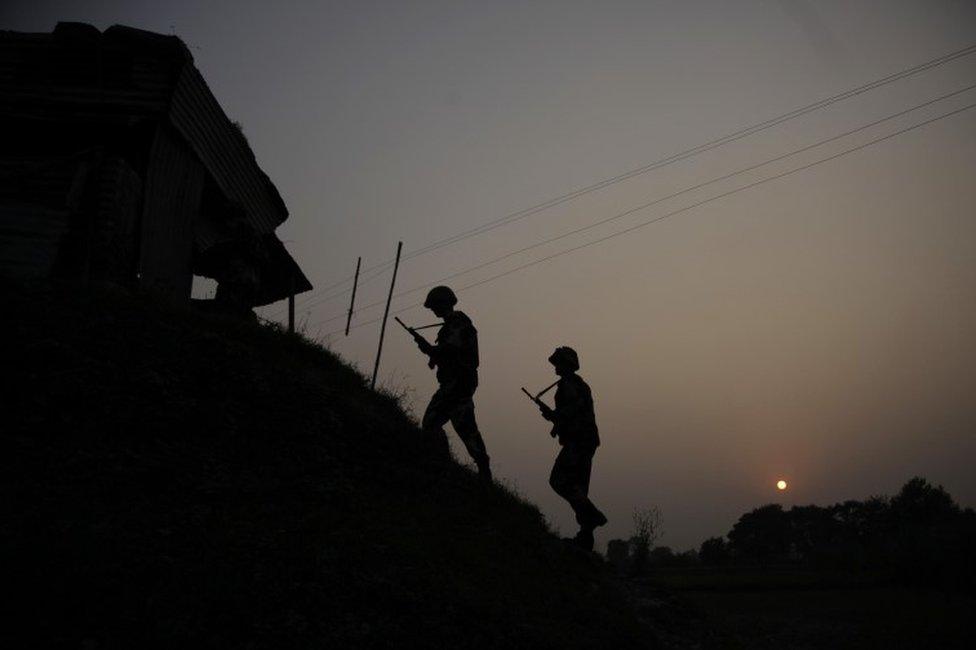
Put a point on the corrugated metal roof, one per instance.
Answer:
(80, 72)
(125, 73)
(79, 76)
(281, 277)
(224, 151)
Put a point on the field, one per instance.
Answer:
(789, 608)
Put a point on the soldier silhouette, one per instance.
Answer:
(455, 355)
(574, 424)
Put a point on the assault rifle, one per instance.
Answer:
(423, 343)
(537, 398)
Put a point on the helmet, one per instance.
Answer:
(564, 356)
(440, 296)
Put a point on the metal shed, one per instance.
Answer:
(117, 164)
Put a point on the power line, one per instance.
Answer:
(649, 204)
(686, 208)
(707, 146)
(318, 301)
(377, 271)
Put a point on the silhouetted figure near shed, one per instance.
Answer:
(574, 424)
(455, 355)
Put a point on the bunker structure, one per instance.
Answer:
(118, 165)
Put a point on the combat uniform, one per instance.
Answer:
(455, 354)
(574, 423)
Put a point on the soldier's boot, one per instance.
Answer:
(584, 539)
(588, 515)
(467, 430)
(597, 519)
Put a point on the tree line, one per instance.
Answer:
(919, 536)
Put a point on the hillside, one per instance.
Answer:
(173, 479)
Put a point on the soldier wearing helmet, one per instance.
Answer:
(574, 424)
(455, 355)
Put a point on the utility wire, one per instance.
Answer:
(366, 276)
(684, 209)
(707, 146)
(377, 271)
(662, 199)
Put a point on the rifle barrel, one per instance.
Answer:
(534, 399)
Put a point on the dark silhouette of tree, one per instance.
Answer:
(648, 528)
(920, 536)
(662, 556)
(919, 503)
(862, 527)
(761, 535)
(714, 551)
(814, 532)
(924, 532)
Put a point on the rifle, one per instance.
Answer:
(538, 401)
(416, 336)
(535, 398)
(532, 397)
(423, 343)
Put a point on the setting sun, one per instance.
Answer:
(781, 484)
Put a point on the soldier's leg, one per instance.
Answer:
(588, 516)
(559, 477)
(584, 478)
(463, 420)
(570, 479)
(435, 417)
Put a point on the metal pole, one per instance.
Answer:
(386, 312)
(352, 301)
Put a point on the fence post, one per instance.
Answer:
(386, 312)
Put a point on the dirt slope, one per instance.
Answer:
(172, 479)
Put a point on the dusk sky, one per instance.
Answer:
(817, 328)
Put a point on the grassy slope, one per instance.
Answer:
(171, 478)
